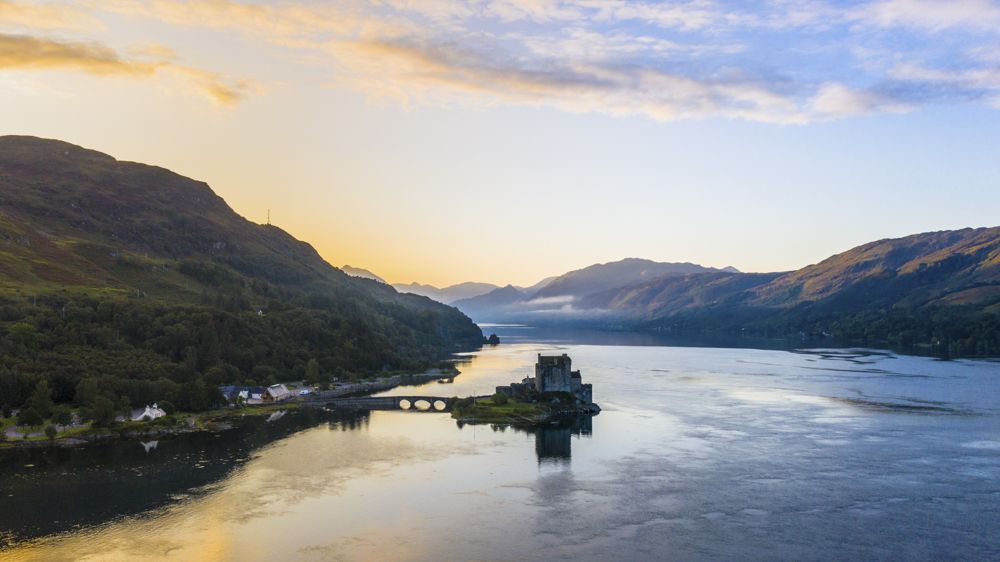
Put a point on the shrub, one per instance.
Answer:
(51, 432)
(62, 416)
(102, 412)
(29, 417)
(499, 399)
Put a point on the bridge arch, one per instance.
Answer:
(406, 403)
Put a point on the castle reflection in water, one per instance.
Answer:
(554, 441)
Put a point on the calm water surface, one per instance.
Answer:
(699, 454)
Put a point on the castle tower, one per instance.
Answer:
(553, 373)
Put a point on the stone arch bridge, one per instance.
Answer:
(408, 403)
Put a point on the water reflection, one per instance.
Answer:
(554, 441)
(701, 454)
(50, 490)
(562, 335)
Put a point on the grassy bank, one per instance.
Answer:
(495, 410)
(180, 422)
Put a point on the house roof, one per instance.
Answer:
(277, 390)
(151, 411)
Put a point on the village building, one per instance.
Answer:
(276, 393)
(148, 413)
(244, 394)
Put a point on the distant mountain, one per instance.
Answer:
(496, 300)
(556, 298)
(948, 267)
(148, 280)
(604, 276)
(362, 273)
(539, 286)
(934, 269)
(938, 289)
(671, 295)
(447, 295)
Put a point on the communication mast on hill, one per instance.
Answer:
(269, 217)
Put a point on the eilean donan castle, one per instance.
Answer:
(553, 373)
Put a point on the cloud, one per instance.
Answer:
(224, 91)
(697, 14)
(981, 83)
(27, 52)
(284, 23)
(833, 101)
(153, 51)
(45, 16)
(779, 61)
(436, 52)
(933, 15)
(24, 52)
(417, 71)
(556, 300)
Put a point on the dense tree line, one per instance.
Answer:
(946, 331)
(136, 350)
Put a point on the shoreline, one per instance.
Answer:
(219, 419)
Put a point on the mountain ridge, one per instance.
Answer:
(935, 289)
(449, 294)
(145, 279)
(555, 295)
(361, 272)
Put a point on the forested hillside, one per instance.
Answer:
(938, 291)
(148, 284)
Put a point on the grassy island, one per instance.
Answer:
(499, 409)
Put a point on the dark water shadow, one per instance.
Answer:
(45, 491)
(554, 441)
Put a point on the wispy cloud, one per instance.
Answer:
(776, 61)
(933, 15)
(982, 83)
(418, 70)
(836, 100)
(27, 52)
(46, 16)
(24, 52)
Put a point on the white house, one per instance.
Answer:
(149, 412)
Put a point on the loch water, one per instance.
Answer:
(699, 454)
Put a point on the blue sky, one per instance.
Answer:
(506, 141)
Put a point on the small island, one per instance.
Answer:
(556, 391)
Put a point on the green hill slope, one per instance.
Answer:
(143, 277)
(949, 267)
(938, 290)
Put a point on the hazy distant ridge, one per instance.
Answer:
(557, 295)
(362, 273)
(923, 289)
(448, 294)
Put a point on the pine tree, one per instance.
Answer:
(41, 399)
